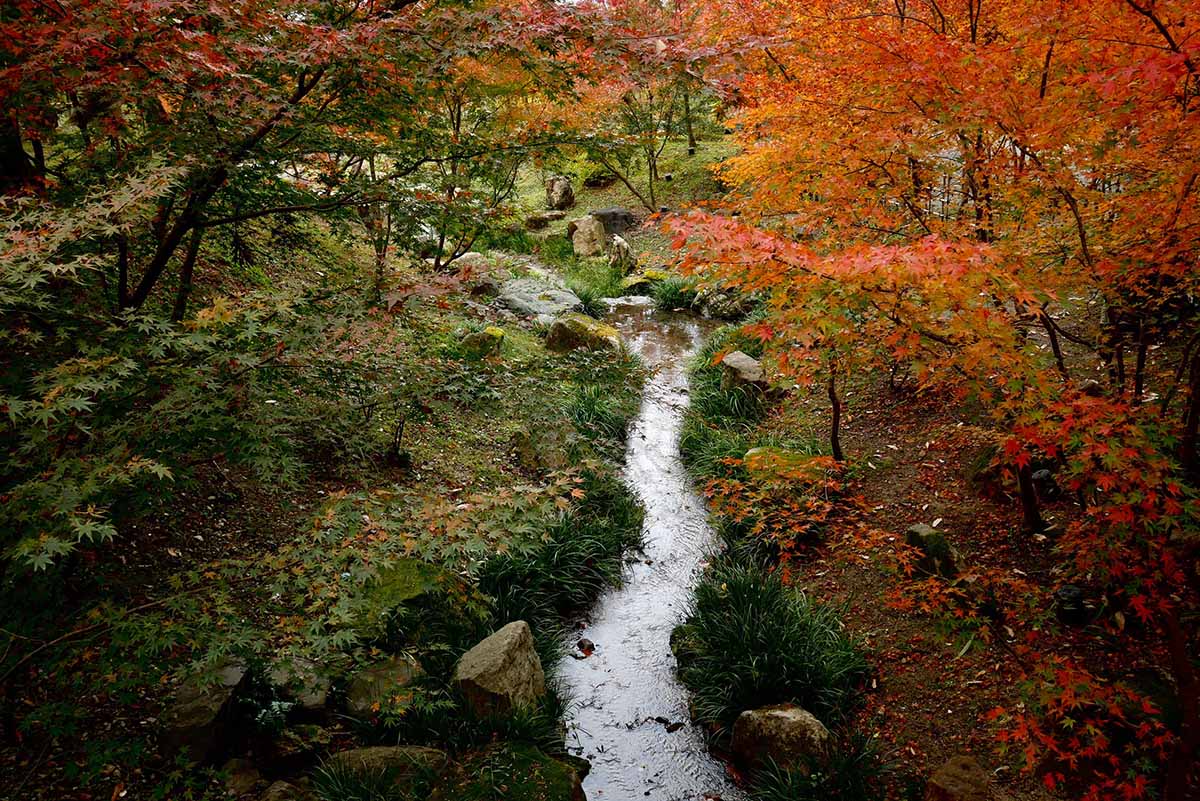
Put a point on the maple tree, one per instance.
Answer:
(998, 201)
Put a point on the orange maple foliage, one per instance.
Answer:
(1000, 200)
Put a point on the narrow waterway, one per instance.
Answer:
(631, 714)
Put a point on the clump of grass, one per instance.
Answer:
(599, 413)
(557, 251)
(850, 771)
(595, 277)
(334, 781)
(443, 720)
(751, 640)
(706, 449)
(590, 299)
(576, 557)
(674, 293)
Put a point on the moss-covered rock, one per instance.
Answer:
(643, 283)
(383, 687)
(937, 556)
(481, 344)
(510, 772)
(579, 332)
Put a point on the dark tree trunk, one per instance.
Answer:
(16, 169)
(687, 122)
(1029, 500)
(185, 276)
(1191, 422)
(1182, 763)
(835, 426)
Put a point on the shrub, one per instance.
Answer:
(590, 299)
(706, 448)
(442, 718)
(751, 640)
(674, 293)
(851, 771)
(595, 278)
(334, 781)
(577, 556)
(598, 413)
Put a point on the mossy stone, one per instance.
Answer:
(938, 557)
(481, 344)
(579, 332)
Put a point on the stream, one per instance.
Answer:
(630, 715)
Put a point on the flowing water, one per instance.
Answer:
(631, 716)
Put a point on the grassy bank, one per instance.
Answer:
(751, 639)
(432, 495)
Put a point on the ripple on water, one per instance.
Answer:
(627, 698)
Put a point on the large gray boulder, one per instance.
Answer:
(387, 685)
(531, 297)
(588, 236)
(196, 720)
(615, 219)
(560, 194)
(741, 370)
(960, 779)
(303, 681)
(784, 733)
(580, 332)
(502, 672)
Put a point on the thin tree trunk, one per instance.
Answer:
(1188, 445)
(1029, 500)
(1182, 763)
(185, 276)
(687, 123)
(16, 169)
(1055, 345)
(835, 438)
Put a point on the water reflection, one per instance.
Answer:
(631, 718)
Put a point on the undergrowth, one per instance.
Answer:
(674, 293)
(577, 556)
(750, 640)
(851, 770)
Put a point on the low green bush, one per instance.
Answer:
(706, 448)
(595, 278)
(750, 640)
(674, 293)
(334, 781)
(442, 719)
(577, 556)
(850, 771)
(590, 299)
(598, 413)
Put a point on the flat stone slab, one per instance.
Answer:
(531, 297)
